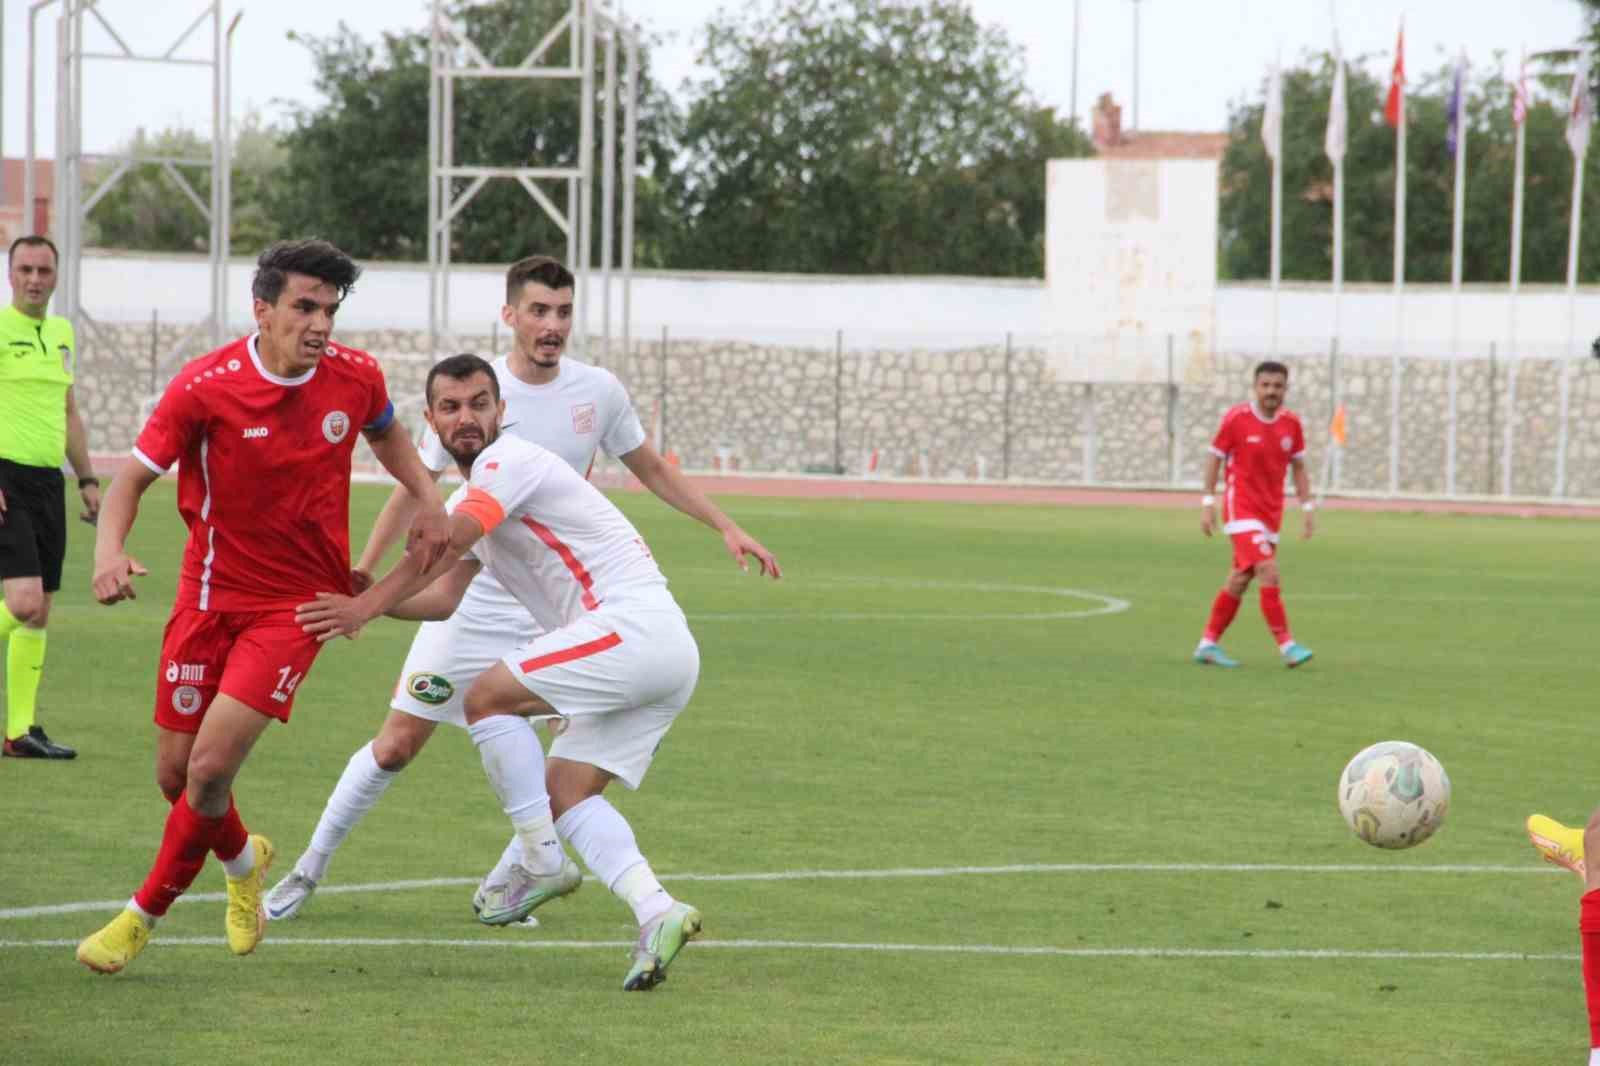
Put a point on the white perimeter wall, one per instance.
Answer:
(933, 312)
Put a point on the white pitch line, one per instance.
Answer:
(813, 945)
(1367, 869)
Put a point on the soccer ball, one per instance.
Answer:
(1394, 794)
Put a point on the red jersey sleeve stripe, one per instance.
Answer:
(579, 572)
(566, 655)
(482, 508)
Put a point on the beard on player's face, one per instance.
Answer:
(468, 439)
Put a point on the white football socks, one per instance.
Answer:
(241, 863)
(604, 840)
(358, 791)
(513, 759)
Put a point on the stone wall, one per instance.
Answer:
(988, 411)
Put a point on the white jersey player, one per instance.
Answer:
(616, 660)
(571, 409)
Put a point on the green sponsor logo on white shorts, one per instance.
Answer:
(430, 688)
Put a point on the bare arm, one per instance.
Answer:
(114, 568)
(1302, 489)
(398, 512)
(440, 598)
(78, 456)
(331, 615)
(676, 490)
(1208, 512)
(430, 529)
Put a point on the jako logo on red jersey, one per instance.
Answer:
(255, 432)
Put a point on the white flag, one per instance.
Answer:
(1272, 117)
(1580, 113)
(1333, 143)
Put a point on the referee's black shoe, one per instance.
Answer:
(35, 745)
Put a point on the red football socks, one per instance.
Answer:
(233, 836)
(1272, 608)
(184, 843)
(1223, 608)
(1589, 932)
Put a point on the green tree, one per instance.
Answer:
(865, 136)
(1430, 170)
(358, 162)
(147, 210)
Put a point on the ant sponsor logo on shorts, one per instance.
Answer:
(583, 418)
(335, 427)
(186, 700)
(188, 673)
(430, 688)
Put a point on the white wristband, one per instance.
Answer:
(1208, 501)
(1308, 506)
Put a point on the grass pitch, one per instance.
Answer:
(951, 792)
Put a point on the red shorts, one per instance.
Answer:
(257, 657)
(1251, 547)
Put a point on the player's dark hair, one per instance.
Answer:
(460, 368)
(313, 257)
(33, 240)
(1271, 366)
(544, 269)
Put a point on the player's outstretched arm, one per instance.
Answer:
(430, 528)
(440, 598)
(114, 568)
(398, 512)
(676, 490)
(331, 615)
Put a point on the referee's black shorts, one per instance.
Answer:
(33, 527)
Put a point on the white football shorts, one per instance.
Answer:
(447, 656)
(619, 676)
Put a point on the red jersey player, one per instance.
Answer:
(262, 430)
(1260, 441)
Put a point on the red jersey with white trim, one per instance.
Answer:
(264, 472)
(1258, 452)
(550, 537)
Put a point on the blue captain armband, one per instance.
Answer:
(381, 423)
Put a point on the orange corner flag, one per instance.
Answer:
(1336, 428)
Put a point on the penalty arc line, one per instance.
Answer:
(931, 949)
(1368, 869)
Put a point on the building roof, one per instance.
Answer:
(1166, 144)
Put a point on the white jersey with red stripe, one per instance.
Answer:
(551, 539)
(583, 410)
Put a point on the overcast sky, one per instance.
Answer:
(1196, 56)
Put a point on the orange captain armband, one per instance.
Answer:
(482, 508)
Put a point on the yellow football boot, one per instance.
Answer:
(246, 921)
(1560, 844)
(114, 946)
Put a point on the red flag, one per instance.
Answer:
(1394, 107)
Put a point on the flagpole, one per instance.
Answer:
(1455, 273)
(1277, 204)
(1399, 297)
(1580, 117)
(1572, 325)
(1512, 353)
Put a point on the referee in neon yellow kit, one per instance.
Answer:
(39, 426)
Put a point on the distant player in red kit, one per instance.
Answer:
(1260, 441)
(262, 430)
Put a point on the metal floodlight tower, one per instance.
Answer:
(73, 205)
(454, 57)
